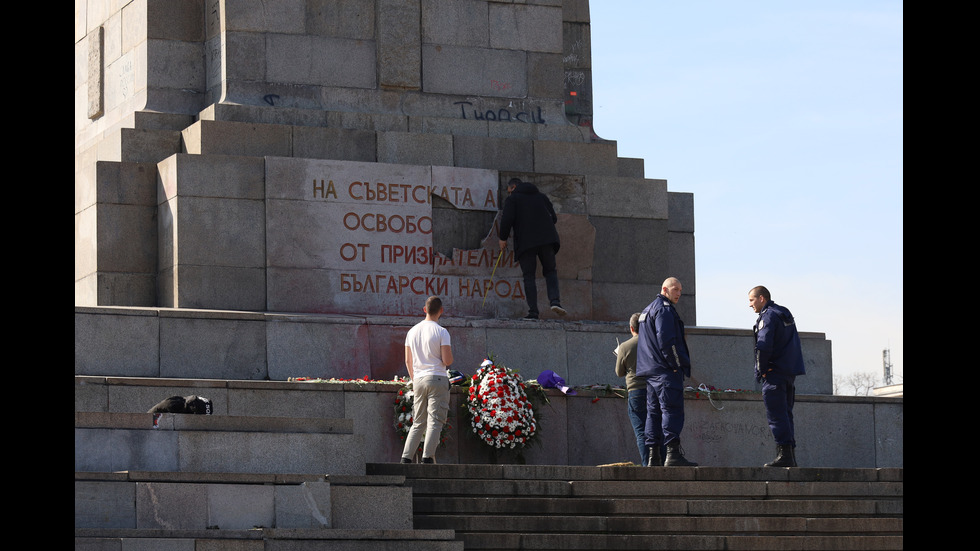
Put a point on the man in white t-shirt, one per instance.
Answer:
(427, 355)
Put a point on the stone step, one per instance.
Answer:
(146, 500)
(391, 138)
(243, 423)
(503, 541)
(638, 521)
(866, 508)
(502, 507)
(144, 137)
(243, 398)
(676, 490)
(106, 442)
(632, 473)
(370, 405)
(419, 123)
(221, 345)
(268, 538)
(660, 489)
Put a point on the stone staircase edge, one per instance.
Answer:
(510, 540)
(226, 423)
(636, 473)
(237, 478)
(269, 533)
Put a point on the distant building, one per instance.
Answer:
(890, 391)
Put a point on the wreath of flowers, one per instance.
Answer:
(404, 402)
(404, 412)
(501, 414)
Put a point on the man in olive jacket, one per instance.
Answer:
(636, 388)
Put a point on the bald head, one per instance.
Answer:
(672, 289)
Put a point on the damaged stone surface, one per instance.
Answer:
(409, 128)
(350, 237)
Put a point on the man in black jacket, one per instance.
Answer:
(532, 217)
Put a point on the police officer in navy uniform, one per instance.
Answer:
(778, 361)
(664, 360)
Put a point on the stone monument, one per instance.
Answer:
(349, 158)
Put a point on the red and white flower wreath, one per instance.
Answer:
(502, 415)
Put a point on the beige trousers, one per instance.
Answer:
(429, 414)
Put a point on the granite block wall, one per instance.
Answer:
(590, 428)
(197, 344)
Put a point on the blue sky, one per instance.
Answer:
(785, 120)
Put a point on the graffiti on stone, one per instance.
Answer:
(718, 431)
(502, 114)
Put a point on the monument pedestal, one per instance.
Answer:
(348, 159)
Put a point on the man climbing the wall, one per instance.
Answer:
(529, 213)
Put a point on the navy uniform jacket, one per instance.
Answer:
(777, 343)
(662, 348)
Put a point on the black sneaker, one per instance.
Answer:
(556, 308)
(530, 317)
(406, 460)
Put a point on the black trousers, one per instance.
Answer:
(529, 267)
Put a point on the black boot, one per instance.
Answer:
(675, 457)
(653, 460)
(785, 456)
